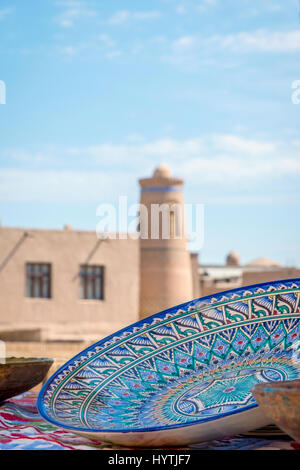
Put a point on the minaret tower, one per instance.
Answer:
(165, 274)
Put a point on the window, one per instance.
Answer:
(172, 224)
(176, 223)
(38, 280)
(91, 282)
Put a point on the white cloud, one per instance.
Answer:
(111, 50)
(226, 170)
(68, 50)
(258, 41)
(190, 6)
(233, 144)
(106, 40)
(5, 12)
(203, 4)
(75, 10)
(113, 54)
(181, 9)
(123, 16)
(137, 153)
(185, 42)
(135, 138)
(215, 166)
(194, 49)
(119, 17)
(62, 186)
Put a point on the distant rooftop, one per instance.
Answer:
(264, 262)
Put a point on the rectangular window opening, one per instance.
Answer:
(38, 280)
(91, 282)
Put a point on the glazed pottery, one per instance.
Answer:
(19, 374)
(183, 375)
(281, 403)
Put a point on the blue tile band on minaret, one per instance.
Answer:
(167, 188)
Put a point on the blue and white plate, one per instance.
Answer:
(183, 375)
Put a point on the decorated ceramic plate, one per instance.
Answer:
(183, 375)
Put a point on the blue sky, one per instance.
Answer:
(99, 93)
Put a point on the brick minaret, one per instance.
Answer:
(166, 275)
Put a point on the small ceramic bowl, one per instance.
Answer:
(280, 401)
(19, 374)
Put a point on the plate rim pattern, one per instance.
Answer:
(196, 307)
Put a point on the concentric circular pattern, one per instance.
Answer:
(180, 396)
(190, 364)
(220, 391)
